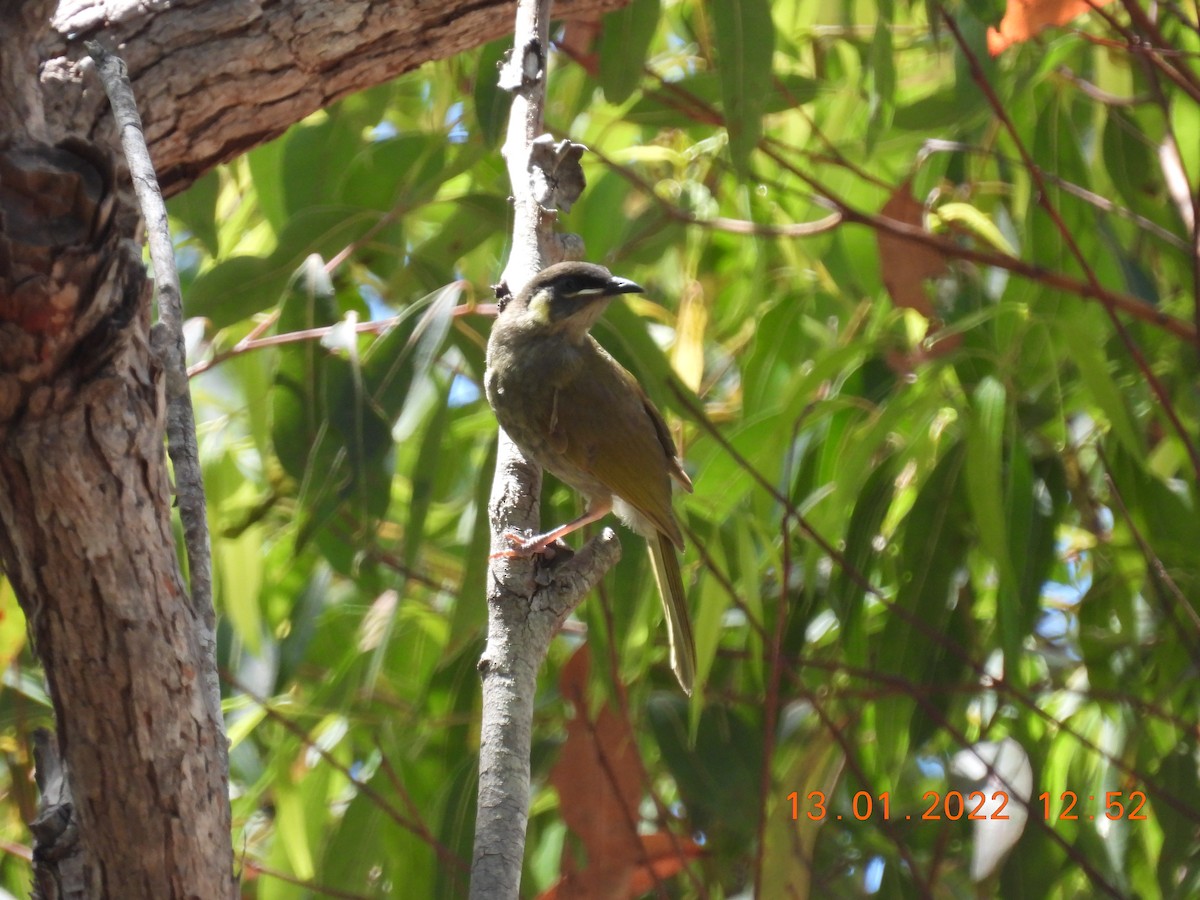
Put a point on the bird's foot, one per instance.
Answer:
(519, 547)
(522, 547)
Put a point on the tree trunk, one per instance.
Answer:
(85, 534)
(85, 527)
(85, 503)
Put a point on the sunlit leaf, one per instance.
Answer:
(624, 40)
(745, 38)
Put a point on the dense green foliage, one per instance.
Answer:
(943, 495)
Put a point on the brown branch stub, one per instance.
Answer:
(503, 295)
(58, 857)
(557, 177)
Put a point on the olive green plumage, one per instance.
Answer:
(578, 413)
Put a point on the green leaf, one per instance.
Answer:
(917, 634)
(1131, 161)
(1093, 368)
(937, 111)
(491, 103)
(196, 209)
(788, 860)
(883, 72)
(243, 285)
(744, 36)
(304, 587)
(397, 173)
(240, 562)
(675, 109)
(846, 595)
(315, 156)
(468, 618)
(423, 476)
(720, 793)
(298, 411)
(293, 831)
(229, 291)
(985, 477)
(266, 171)
(1036, 498)
(404, 355)
(475, 218)
(364, 400)
(967, 218)
(625, 38)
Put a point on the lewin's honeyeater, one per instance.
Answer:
(575, 411)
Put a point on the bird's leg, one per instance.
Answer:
(522, 546)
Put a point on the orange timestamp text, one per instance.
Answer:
(974, 806)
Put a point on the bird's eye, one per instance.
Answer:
(569, 286)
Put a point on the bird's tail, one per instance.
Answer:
(665, 563)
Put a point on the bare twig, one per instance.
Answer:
(318, 889)
(253, 341)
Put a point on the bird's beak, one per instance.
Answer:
(618, 285)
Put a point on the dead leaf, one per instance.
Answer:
(664, 856)
(599, 778)
(1025, 18)
(906, 264)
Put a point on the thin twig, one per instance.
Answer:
(1126, 303)
(1105, 204)
(415, 825)
(700, 418)
(318, 889)
(253, 341)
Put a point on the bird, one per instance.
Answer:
(579, 414)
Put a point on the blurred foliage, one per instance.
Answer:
(914, 529)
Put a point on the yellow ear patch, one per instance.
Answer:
(539, 306)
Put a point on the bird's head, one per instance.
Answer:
(568, 297)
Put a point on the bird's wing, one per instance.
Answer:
(664, 435)
(627, 447)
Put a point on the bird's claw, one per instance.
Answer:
(522, 547)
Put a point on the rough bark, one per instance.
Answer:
(85, 526)
(85, 533)
(214, 80)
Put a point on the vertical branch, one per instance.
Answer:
(524, 613)
(524, 73)
(512, 657)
